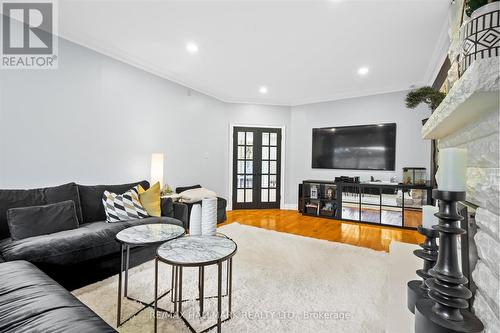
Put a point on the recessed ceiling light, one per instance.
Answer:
(192, 47)
(363, 70)
(263, 90)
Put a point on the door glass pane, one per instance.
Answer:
(264, 195)
(241, 166)
(274, 139)
(249, 154)
(249, 182)
(241, 181)
(265, 181)
(272, 181)
(272, 167)
(241, 196)
(241, 138)
(241, 152)
(248, 196)
(272, 195)
(265, 153)
(265, 166)
(249, 138)
(265, 139)
(249, 167)
(272, 153)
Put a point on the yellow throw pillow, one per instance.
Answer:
(150, 199)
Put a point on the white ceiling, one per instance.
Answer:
(303, 51)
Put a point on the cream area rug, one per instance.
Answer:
(281, 283)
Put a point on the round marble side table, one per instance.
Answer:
(197, 251)
(141, 235)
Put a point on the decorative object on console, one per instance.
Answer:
(480, 35)
(446, 310)
(414, 175)
(329, 192)
(417, 289)
(195, 220)
(209, 216)
(150, 199)
(33, 221)
(314, 192)
(123, 207)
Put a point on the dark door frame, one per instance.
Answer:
(282, 161)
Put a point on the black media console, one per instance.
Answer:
(390, 204)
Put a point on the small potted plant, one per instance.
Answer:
(427, 95)
(472, 6)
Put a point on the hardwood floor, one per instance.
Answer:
(290, 221)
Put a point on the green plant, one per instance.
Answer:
(472, 5)
(424, 95)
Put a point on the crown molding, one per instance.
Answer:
(125, 57)
(439, 55)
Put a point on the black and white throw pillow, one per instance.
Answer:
(122, 207)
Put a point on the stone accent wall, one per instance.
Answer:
(481, 138)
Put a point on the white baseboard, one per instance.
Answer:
(284, 207)
(290, 207)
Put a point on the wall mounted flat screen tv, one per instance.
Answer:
(366, 147)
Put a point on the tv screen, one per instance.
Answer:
(367, 147)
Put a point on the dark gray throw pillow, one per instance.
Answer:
(32, 221)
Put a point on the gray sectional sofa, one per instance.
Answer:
(35, 270)
(81, 256)
(30, 301)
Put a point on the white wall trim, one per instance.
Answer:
(439, 55)
(290, 207)
(125, 57)
(230, 161)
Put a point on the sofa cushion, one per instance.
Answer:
(196, 195)
(167, 207)
(123, 207)
(186, 188)
(30, 301)
(150, 199)
(90, 241)
(36, 197)
(91, 199)
(32, 221)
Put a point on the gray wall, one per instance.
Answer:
(411, 150)
(97, 120)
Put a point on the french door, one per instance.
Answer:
(256, 167)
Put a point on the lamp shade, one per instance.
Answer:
(157, 168)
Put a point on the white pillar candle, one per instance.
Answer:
(452, 169)
(428, 218)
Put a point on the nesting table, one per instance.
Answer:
(196, 251)
(142, 235)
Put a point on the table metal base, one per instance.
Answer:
(126, 249)
(176, 295)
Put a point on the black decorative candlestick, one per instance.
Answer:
(446, 309)
(417, 289)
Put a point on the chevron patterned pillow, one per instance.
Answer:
(122, 207)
